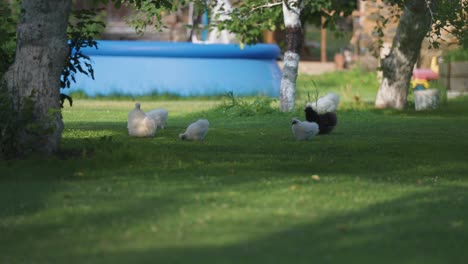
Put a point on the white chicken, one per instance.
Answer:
(196, 131)
(139, 124)
(159, 115)
(325, 104)
(304, 130)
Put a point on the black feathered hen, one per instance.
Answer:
(326, 121)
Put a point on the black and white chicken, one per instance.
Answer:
(326, 121)
(326, 104)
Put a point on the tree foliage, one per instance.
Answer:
(452, 16)
(82, 30)
(447, 16)
(8, 19)
(248, 19)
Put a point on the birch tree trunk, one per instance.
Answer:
(33, 80)
(397, 67)
(291, 14)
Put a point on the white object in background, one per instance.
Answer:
(220, 13)
(426, 99)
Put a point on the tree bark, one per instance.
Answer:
(34, 77)
(291, 13)
(397, 67)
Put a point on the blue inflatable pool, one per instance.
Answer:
(179, 68)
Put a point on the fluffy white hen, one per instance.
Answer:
(196, 131)
(139, 124)
(304, 130)
(325, 104)
(159, 115)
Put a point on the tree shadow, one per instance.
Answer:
(411, 229)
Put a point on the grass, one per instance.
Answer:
(393, 188)
(349, 84)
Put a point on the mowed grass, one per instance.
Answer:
(392, 188)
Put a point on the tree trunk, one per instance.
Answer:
(33, 80)
(397, 67)
(291, 13)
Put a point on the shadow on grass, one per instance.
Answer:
(411, 229)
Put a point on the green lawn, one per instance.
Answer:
(393, 188)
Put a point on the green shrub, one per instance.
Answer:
(456, 55)
(235, 106)
(8, 18)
